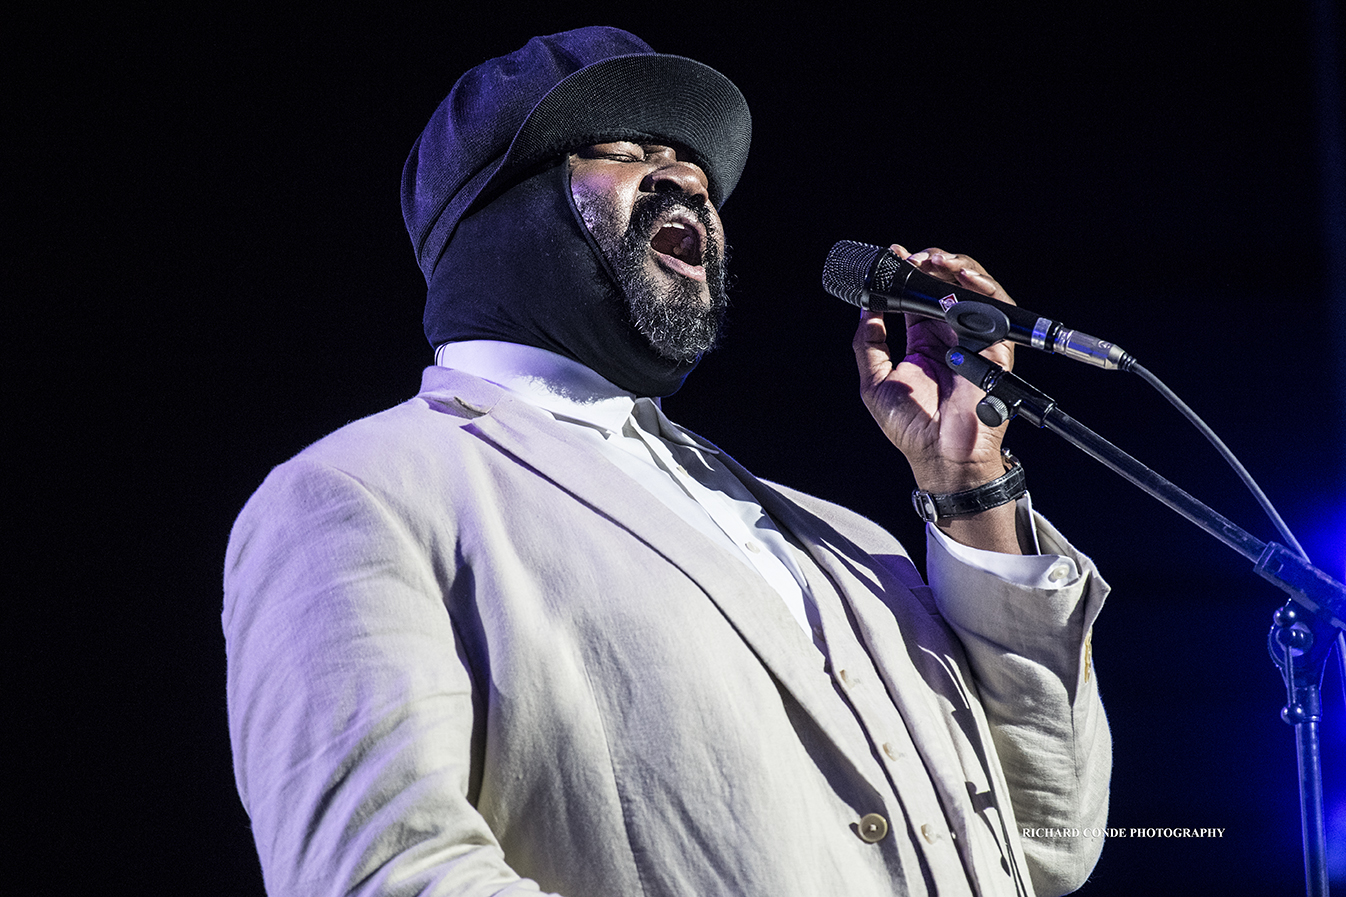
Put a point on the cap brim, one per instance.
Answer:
(669, 98)
(644, 97)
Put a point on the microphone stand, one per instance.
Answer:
(1304, 628)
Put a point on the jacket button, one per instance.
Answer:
(873, 827)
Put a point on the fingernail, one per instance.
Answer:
(919, 257)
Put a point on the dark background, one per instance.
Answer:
(207, 270)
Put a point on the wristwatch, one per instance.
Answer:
(1002, 490)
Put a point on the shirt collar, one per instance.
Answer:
(560, 385)
(550, 381)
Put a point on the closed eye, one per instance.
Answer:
(620, 151)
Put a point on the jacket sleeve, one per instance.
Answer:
(1029, 649)
(350, 703)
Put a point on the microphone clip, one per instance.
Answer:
(1006, 394)
(978, 324)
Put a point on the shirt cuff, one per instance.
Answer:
(1038, 571)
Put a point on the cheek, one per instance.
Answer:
(601, 214)
(603, 202)
(591, 209)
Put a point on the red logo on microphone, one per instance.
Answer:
(948, 301)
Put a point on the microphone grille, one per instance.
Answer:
(847, 271)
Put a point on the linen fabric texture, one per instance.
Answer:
(468, 657)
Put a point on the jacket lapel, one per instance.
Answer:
(892, 626)
(755, 611)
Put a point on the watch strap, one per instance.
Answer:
(1008, 487)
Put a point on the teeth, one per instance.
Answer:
(680, 239)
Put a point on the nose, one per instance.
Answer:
(674, 175)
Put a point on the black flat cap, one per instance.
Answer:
(555, 94)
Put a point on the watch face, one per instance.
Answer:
(925, 506)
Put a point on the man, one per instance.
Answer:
(523, 631)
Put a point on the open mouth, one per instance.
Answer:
(681, 240)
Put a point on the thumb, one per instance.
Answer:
(872, 356)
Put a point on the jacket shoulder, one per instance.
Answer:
(400, 456)
(430, 423)
(394, 435)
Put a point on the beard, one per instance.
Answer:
(676, 318)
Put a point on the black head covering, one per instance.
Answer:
(487, 201)
(524, 269)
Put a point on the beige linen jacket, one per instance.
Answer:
(467, 657)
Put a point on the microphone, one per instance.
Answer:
(875, 278)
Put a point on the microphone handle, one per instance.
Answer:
(906, 288)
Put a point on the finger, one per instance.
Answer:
(963, 270)
(872, 357)
(980, 282)
(938, 262)
(899, 250)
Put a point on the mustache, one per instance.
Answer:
(649, 209)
